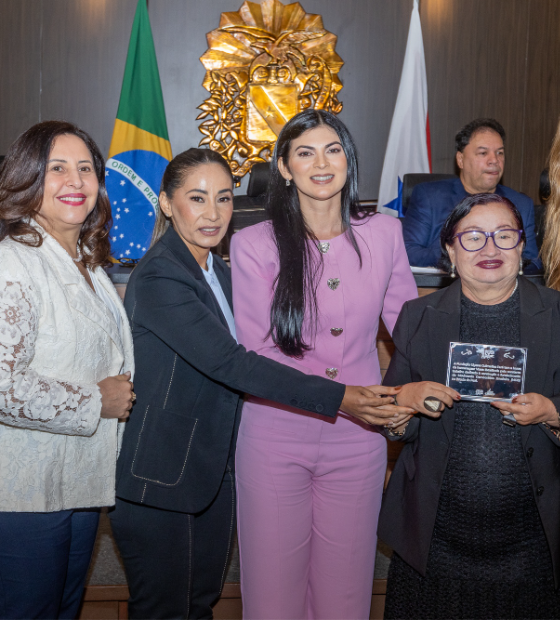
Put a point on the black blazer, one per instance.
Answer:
(190, 377)
(422, 335)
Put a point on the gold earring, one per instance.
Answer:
(452, 273)
(520, 266)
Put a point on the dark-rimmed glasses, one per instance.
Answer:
(504, 239)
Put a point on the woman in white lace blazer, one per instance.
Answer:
(65, 366)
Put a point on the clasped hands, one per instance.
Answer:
(393, 407)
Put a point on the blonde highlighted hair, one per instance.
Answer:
(550, 252)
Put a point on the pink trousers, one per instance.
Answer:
(309, 494)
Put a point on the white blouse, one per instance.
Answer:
(58, 339)
(106, 298)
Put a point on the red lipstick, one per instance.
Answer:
(490, 264)
(74, 200)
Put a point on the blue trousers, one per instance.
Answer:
(44, 559)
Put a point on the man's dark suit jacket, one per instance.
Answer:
(190, 379)
(431, 203)
(422, 335)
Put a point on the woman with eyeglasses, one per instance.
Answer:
(472, 509)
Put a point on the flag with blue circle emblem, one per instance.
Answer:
(140, 148)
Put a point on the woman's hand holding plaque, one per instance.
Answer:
(423, 397)
(530, 408)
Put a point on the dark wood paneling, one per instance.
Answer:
(371, 41)
(65, 59)
(84, 52)
(542, 107)
(20, 67)
(476, 65)
(179, 28)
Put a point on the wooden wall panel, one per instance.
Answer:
(179, 28)
(371, 41)
(65, 59)
(542, 106)
(84, 52)
(476, 65)
(20, 67)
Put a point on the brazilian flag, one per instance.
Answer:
(140, 148)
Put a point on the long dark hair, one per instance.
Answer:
(22, 180)
(174, 177)
(463, 209)
(300, 262)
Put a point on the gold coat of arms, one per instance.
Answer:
(265, 63)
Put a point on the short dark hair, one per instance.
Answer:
(174, 176)
(22, 180)
(463, 209)
(465, 134)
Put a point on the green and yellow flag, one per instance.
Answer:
(140, 148)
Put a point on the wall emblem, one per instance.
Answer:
(265, 63)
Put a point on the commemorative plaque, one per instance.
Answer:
(486, 373)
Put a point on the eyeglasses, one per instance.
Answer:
(474, 240)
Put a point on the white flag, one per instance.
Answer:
(408, 147)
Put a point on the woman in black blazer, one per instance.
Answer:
(175, 512)
(472, 509)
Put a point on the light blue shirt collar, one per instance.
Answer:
(214, 283)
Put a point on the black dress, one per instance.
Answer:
(488, 557)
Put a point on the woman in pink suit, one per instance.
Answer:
(309, 288)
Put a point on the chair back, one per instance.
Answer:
(258, 180)
(411, 180)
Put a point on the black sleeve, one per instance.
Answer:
(168, 306)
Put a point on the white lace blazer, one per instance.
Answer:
(57, 341)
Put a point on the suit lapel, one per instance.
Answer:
(458, 192)
(224, 277)
(125, 333)
(78, 293)
(85, 301)
(214, 301)
(444, 327)
(180, 250)
(535, 327)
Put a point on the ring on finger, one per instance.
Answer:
(133, 397)
(431, 403)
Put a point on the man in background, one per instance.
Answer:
(480, 158)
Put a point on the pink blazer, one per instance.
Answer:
(350, 299)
